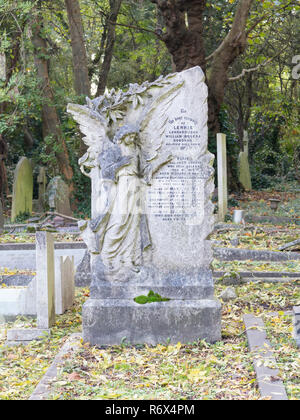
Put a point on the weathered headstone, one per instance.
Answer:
(152, 182)
(296, 323)
(22, 189)
(2, 66)
(83, 271)
(59, 196)
(39, 298)
(25, 300)
(39, 203)
(222, 177)
(64, 284)
(45, 283)
(1, 217)
(243, 165)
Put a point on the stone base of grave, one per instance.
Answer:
(115, 321)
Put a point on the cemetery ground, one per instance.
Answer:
(199, 370)
(189, 371)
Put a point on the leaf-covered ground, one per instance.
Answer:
(258, 202)
(249, 265)
(257, 237)
(197, 370)
(29, 238)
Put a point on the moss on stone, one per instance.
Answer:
(151, 297)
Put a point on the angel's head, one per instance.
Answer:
(128, 134)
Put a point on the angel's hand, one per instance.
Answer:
(148, 174)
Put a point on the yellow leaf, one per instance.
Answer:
(196, 375)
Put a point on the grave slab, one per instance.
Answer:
(269, 383)
(27, 334)
(43, 389)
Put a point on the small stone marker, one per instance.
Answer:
(22, 189)
(1, 217)
(59, 196)
(222, 176)
(45, 280)
(43, 289)
(64, 284)
(296, 322)
(243, 165)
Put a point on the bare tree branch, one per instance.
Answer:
(253, 69)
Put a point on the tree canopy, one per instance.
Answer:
(60, 51)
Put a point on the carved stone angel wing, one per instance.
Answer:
(94, 127)
(153, 123)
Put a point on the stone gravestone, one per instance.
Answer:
(45, 280)
(59, 196)
(222, 176)
(22, 189)
(42, 290)
(243, 165)
(152, 182)
(296, 323)
(39, 203)
(1, 217)
(64, 284)
(2, 66)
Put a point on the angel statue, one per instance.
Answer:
(121, 161)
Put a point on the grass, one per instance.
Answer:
(220, 371)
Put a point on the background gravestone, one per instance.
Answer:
(45, 280)
(22, 189)
(40, 202)
(222, 177)
(152, 182)
(1, 218)
(59, 196)
(243, 165)
(2, 66)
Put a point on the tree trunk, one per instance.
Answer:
(184, 31)
(3, 175)
(109, 47)
(51, 122)
(80, 62)
(185, 42)
(233, 45)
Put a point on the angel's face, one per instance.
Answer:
(129, 139)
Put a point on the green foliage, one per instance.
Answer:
(150, 298)
(22, 217)
(274, 146)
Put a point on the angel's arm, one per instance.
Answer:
(154, 166)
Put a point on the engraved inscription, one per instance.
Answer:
(177, 192)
